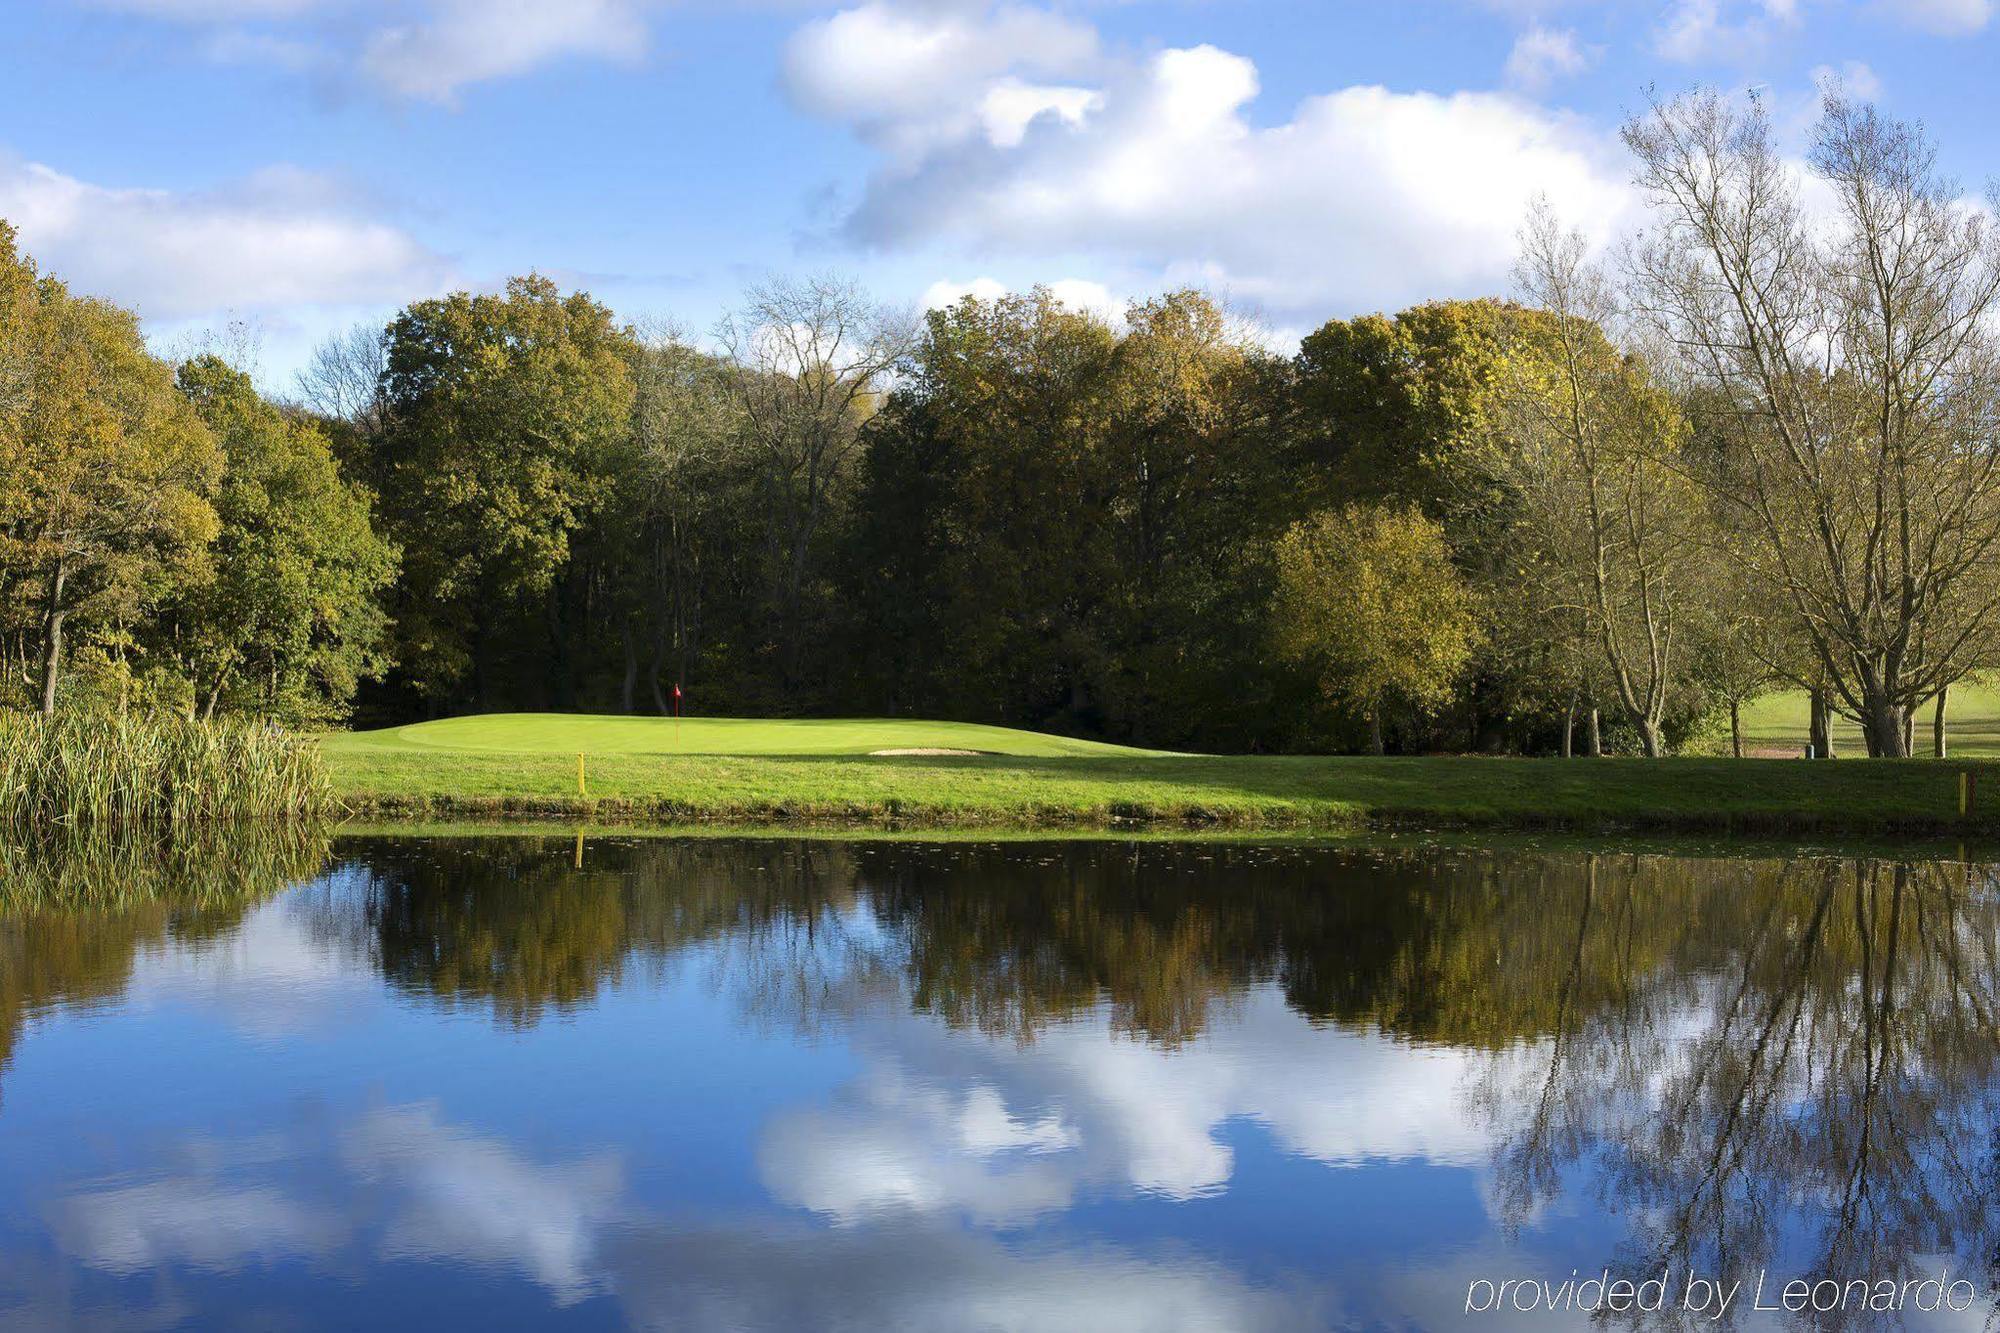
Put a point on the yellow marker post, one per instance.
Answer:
(580, 789)
(579, 846)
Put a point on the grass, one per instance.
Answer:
(83, 772)
(825, 772)
(1778, 723)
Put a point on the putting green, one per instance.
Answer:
(601, 734)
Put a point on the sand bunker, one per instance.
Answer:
(922, 750)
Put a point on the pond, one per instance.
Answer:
(744, 1083)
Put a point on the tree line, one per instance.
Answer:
(1753, 450)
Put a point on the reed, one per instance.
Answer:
(161, 772)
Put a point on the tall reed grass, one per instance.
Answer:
(164, 772)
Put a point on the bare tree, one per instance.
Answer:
(809, 359)
(1847, 363)
(343, 379)
(1611, 526)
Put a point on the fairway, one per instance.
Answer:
(615, 734)
(1776, 726)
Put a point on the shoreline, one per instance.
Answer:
(1283, 794)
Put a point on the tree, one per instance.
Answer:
(1183, 470)
(809, 361)
(501, 414)
(983, 506)
(1849, 366)
(1369, 601)
(343, 380)
(675, 489)
(103, 507)
(1607, 527)
(292, 612)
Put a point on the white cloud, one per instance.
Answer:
(1694, 31)
(1364, 198)
(1080, 294)
(1083, 1107)
(908, 78)
(1950, 18)
(422, 50)
(1543, 55)
(471, 41)
(204, 1224)
(278, 240)
(474, 1199)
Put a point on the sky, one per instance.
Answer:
(294, 167)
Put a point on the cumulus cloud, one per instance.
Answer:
(470, 41)
(1543, 55)
(1365, 197)
(277, 240)
(909, 78)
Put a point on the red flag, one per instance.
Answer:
(677, 691)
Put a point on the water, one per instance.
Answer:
(736, 1083)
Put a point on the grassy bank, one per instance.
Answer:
(1019, 782)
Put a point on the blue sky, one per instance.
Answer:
(300, 165)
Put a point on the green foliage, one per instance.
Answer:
(291, 622)
(502, 416)
(1368, 601)
(105, 472)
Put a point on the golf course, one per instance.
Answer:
(944, 774)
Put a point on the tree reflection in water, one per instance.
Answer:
(1820, 1093)
(76, 907)
(1749, 1061)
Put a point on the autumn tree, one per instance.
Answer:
(1847, 361)
(107, 469)
(291, 621)
(1368, 601)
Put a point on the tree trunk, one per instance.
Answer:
(1593, 734)
(1736, 727)
(660, 705)
(1569, 732)
(631, 670)
(1375, 745)
(57, 613)
(1650, 740)
(1937, 724)
(1886, 726)
(1820, 732)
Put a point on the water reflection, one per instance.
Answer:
(765, 1083)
